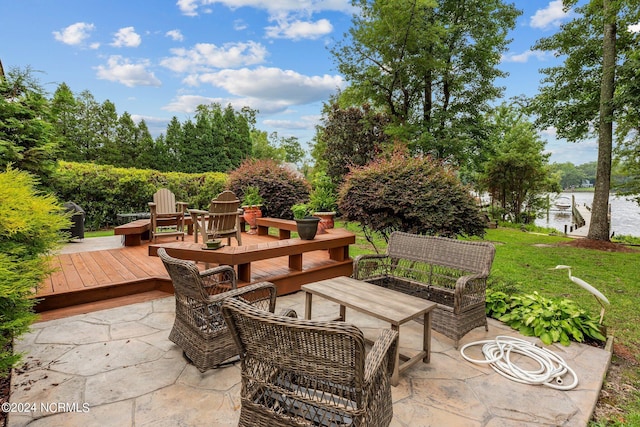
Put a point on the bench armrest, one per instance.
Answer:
(383, 350)
(365, 265)
(470, 291)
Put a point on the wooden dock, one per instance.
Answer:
(583, 230)
(97, 278)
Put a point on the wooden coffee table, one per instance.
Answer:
(384, 304)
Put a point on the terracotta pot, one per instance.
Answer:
(251, 213)
(326, 219)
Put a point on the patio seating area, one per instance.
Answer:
(117, 367)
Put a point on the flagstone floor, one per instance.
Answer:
(116, 367)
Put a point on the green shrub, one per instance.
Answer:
(300, 210)
(105, 191)
(550, 319)
(280, 187)
(413, 194)
(323, 197)
(30, 224)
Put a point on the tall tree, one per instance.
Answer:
(27, 137)
(581, 97)
(151, 155)
(64, 108)
(263, 148)
(516, 174)
(431, 64)
(352, 137)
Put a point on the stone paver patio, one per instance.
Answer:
(117, 367)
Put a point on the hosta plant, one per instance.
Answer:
(550, 319)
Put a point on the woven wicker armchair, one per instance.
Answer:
(452, 273)
(199, 328)
(310, 373)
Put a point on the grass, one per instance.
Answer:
(98, 233)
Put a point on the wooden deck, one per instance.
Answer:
(96, 279)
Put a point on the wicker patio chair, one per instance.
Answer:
(310, 373)
(199, 328)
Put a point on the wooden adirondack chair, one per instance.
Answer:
(221, 220)
(167, 215)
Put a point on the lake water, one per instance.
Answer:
(625, 214)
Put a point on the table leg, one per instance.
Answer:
(426, 336)
(244, 272)
(395, 376)
(307, 305)
(343, 313)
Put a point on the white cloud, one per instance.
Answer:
(525, 56)
(634, 28)
(74, 34)
(206, 56)
(551, 16)
(187, 104)
(304, 123)
(190, 7)
(274, 84)
(175, 35)
(268, 90)
(121, 70)
(239, 25)
(126, 37)
(299, 29)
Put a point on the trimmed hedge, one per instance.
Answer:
(105, 191)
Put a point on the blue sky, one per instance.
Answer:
(161, 59)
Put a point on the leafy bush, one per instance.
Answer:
(105, 191)
(30, 224)
(413, 194)
(550, 319)
(280, 187)
(300, 210)
(323, 197)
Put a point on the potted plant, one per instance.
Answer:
(307, 225)
(214, 243)
(323, 202)
(252, 201)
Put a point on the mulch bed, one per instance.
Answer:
(599, 245)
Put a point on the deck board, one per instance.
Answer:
(95, 270)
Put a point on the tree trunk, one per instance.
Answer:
(599, 227)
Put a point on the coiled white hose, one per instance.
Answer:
(550, 372)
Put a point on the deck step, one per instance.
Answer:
(90, 307)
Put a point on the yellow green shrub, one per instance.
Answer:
(30, 224)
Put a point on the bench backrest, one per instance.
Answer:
(471, 256)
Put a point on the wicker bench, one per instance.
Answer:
(452, 273)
